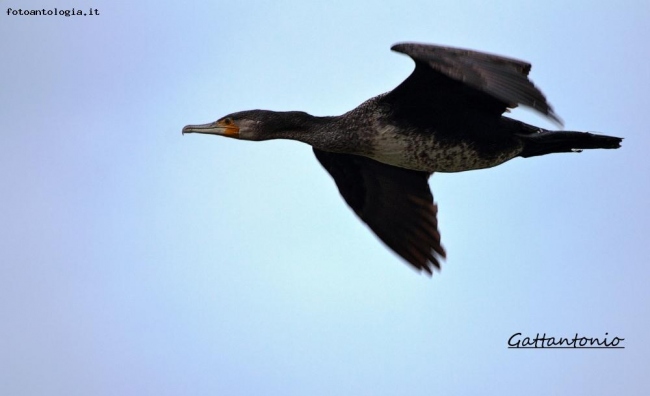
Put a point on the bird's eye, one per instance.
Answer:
(227, 121)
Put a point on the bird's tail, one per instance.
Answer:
(547, 142)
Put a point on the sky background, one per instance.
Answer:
(136, 261)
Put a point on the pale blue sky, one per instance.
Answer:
(134, 260)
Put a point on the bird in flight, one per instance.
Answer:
(445, 117)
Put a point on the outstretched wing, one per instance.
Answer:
(395, 203)
(457, 80)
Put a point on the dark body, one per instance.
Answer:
(445, 117)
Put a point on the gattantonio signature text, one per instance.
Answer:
(518, 341)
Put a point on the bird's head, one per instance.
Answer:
(253, 125)
(244, 125)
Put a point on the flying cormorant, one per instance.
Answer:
(445, 117)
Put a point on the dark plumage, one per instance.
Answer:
(445, 117)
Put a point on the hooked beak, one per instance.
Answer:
(214, 128)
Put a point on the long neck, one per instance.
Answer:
(326, 133)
